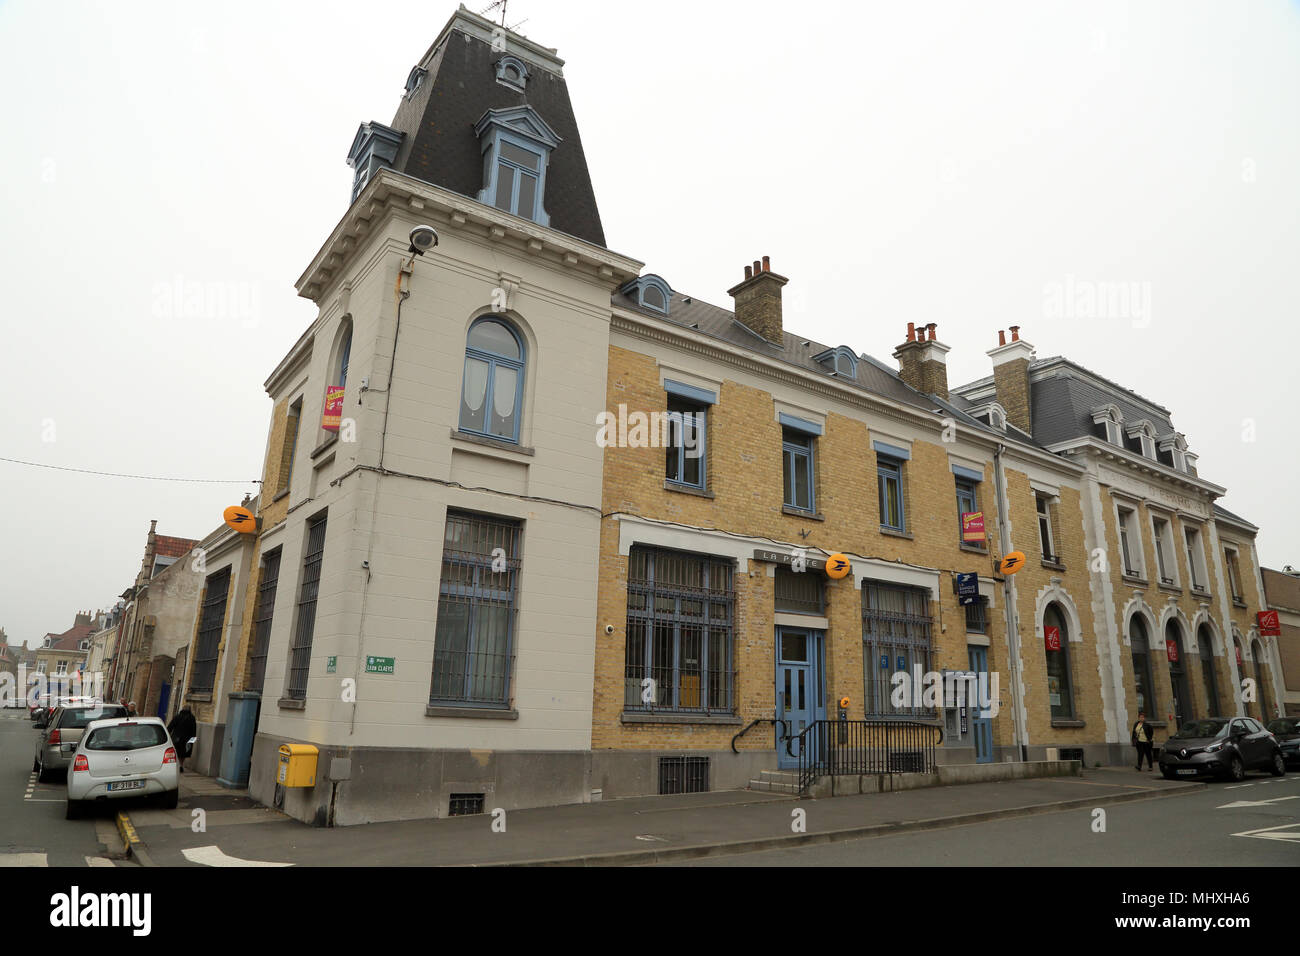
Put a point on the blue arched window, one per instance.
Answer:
(492, 393)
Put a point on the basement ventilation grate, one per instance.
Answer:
(1072, 753)
(464, 804)
(683, 775)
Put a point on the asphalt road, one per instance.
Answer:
(1199, 828)
(33, 831)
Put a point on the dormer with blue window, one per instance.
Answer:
(840, 360)
(650, 292)
(374, 147)
(516, 145)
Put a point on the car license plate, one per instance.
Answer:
(1188, 771)
(126, 785)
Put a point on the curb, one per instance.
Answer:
(132, 846)
(701, 850)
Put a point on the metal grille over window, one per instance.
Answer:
(977, 618)
(300, 651)
(896, 629)
(464, 804)
(680, 624)
(683, 775)
(473, 654)
(209, 637)
(262, 619)
(799, 592)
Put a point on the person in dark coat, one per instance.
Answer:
(182, 728)
(1143, 737)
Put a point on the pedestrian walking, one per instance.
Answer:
(1143, 736)
(182, 729)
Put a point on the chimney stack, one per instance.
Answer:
(922, 361)
(758, 300)
(1011, 378)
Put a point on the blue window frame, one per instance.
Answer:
(966, 500)
(889, 476)
(473, 650)
(686, 441)
(492, 393)
(516, 144)
(797, 465)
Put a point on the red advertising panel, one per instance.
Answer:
(1053, 637)
(972, 526)
(333, 408)
(1269, 625)
(1171, 650)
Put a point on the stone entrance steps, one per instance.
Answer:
(776, 781)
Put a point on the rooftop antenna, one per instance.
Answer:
(494, 5)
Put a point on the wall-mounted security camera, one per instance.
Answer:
(609, 628)
(422, 238)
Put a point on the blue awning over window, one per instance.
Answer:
(690, 392)
(893, 451)
(799, 424)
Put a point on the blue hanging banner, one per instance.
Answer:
(968, 589)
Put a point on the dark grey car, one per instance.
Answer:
(1221, 747)
(1287, 732)
(56, 741)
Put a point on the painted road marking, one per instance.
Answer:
(212, 856)
(99, 861)
(1239, 786)
(1257, 803)
(1271, 833)
(23, 859)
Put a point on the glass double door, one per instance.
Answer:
(800, 689)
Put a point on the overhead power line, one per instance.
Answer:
(113, 474)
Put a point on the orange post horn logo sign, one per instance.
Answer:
(837, 565)
(1012, 562)
(241, 519)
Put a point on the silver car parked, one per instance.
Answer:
(56, 739)
(123, 757)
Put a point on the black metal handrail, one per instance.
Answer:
(754, 723)
(864, 747)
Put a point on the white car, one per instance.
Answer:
(123, 757)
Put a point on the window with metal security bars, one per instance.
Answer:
(473, 651)
(680, 627)
(266, 589)
(683, 775)
(896, 633)
(977, 617)
(464, 804)
(799, 592)
(211, 620)
(300, 647)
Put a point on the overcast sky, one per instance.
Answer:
(955, 163)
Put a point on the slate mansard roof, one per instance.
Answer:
(437, 120)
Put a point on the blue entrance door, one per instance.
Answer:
(981, 727)
(800, 698)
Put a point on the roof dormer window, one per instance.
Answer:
(1107, 419)
(511, 72)
(374, 147)
(414, 80)
(516, 146)
(650, 292)
(1142, 439)
(839, 360)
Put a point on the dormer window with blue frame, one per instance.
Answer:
(650, 292)
(374, 147)
(840, 360)
(413, 81)
(516, 146)
(512, 72)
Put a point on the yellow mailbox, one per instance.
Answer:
(297, 765)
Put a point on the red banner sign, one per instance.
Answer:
(1171, 651)
(972, 526)
(333, 408)
(1053, 637)
(1238, 655)
(1269, 625)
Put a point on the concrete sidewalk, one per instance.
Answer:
(625, 832)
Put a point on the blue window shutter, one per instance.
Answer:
(969, 474)
(690, 392)
(893, 451)
(799, 424)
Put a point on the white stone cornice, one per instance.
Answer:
(392, 193)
